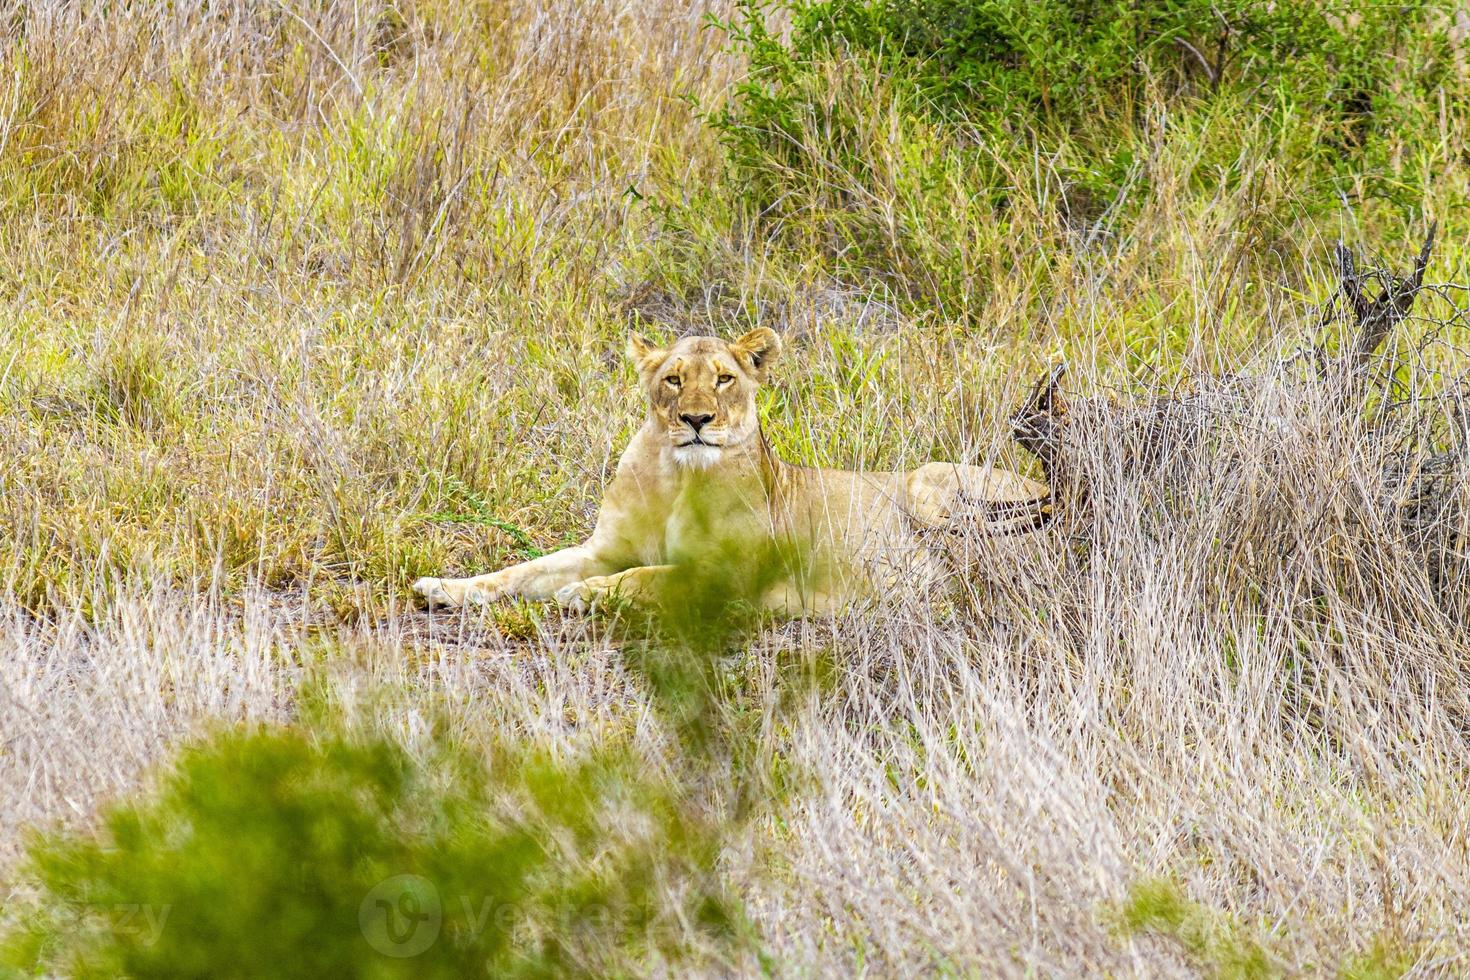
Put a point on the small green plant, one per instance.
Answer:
(1215, 941)
(475, 510)
(1384, 959)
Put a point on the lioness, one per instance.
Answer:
(699, 485)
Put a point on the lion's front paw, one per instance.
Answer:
(448, 592)
(433, 591)
(580, 598)
(576, 598)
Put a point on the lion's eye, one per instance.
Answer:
(725, 379)
(672, 381)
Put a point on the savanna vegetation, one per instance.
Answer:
(301, 301)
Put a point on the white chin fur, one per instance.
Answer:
(698, 457)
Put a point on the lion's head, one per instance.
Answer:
(701, 390)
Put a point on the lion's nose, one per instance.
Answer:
(695, 422)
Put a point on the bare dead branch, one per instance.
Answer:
(1036, 424)
(1376, 318)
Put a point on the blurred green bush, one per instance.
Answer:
(283, 853)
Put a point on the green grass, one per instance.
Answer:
(1215, 942)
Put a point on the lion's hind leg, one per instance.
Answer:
(952, 494)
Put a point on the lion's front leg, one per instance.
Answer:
(639, 584)
(539, 578)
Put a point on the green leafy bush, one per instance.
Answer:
(1068, 58)
(861, 95)
(279, 854)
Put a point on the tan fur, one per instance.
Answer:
(675, 502)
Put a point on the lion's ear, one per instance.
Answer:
(758, 350)
(643, 353)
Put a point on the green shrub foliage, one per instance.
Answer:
(1013, 71)
(279, 853)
